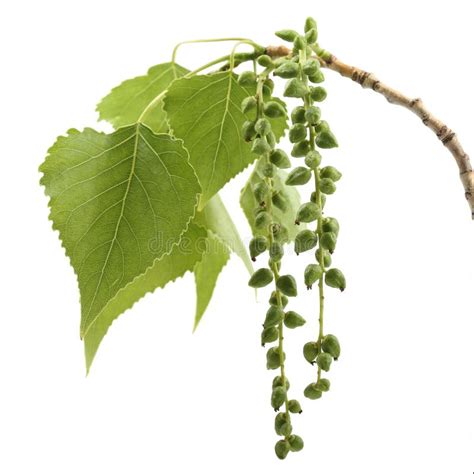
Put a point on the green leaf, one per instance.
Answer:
(182, 259)
(125, 103)
(207, 271)
(287, 218)
(204, 111)
(216, 218)
(119, 201)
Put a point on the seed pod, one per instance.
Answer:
(327, 186)
(330, 344)
(271, 139)
(321, 125)
(313, 159)
(312, 392)
(305, 240)
(278, 382)
(262, 277)
(298, 176)
(269, 85)
(274, 300)
(294, 406)
(326, 257)
(295, 88)
(299, 43)
(310, 351)
(260, 191)
(311, 36)
(276, 252)
(279, 200)
(269, 335)
(296, 443)
(286, 429)
(312, 274)
(287, 35)
(263, 127)
(281, 419)
(298, 114)
(274, 109)
(265, 61)
(249, 103)
(297, 133)
(257, 246)
(260, 146)
(328, 241)
(293, 320)
(278, 397)
(330, 224)
(317, 77)
(331, 173)
(268, 170)
(262, 220)
(282, 448)
(247, 78)
(318, 94)
(323, 384)
(287, 70)
(309, 24)
(326, 139)
(324, 361)
(312, 114)
(287, 285)
(273, 358)
(274, 316)
(300, 149)
(280, 159)
(248, 130)
(280, 232)
(311, 67)
(308, 212)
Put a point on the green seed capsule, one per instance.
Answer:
(262, 277)
(274, 109)
(323, 384)
(311, 67)
(301, 149)
(309, 24)
(278, 382)
(286, 429)
(312, 392)
(274, 316)
(295, 88)
(296, 443)
(287, 35)
(248, 130)
(280, 233)
(298, 176)
(321, 125)
(313, 159)
(269, 84)
(308, 212)
(257, 246)
(269, 335)
(263, 127)
(260, 146)
(324, 361)
(298, 114)
(280, 159)
(312, 273)
(326, 139)
(318, 93)
(268, 170)
(297, 133)
(248, 104)
(282, 448)
(271, 139)
(328, 241)
(281, 419)
(331, 224)
(247, 78)
(331, 345)
(263, 220)
(276, 252)
(299, 43)
(273, 358)
(279, 200)
(327, 186)
(260, 191)
(294, 406)
(265, 61)
(305, 240)
(325, 255)
(312, 114)
(310, 351)
(311, 36)
(317, 77)
(287, 70)
(287, 285)
(331, 173)
(274, 300)
(293, 320)
(278, 397)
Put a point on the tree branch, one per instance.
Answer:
(369, 81)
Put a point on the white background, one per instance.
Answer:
(160, 399)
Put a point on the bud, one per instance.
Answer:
(312, 114)
(248, 104)
(268, 170)
(294, 406)
(299, 43)
(331, 345)
(318, 93)
(274, 316)
(331, 173)
(328, 241)
(263, 127)
(273, 358)
(317, 77)
(312, 274)
(287, 70)
(313, 159)
(308, 212)
(278, 397)
(305, 240)
(324, 361)
(274, 109)
(330, 224)
(262, 277)
(295, 88)
(282, 448)
(326, 139)
(287, 35)
(312, 392)
(297, 133)
(248, 130)
(293, 320)
(298, 176)
(296, 443)
(335, 279)
(300, 149)
(262, 220)
(321, 253)
(311, 36)
(260, 146)
(247, 78)
(298, 114)
(280, 159)
(269, 335)
(309, 24)
(279, 200)
(265, 61)
(323, 384)
(310, 351)
(311, 67)
(276, 252)
(278, 382)
(287, 285)
(274, 299)
(257, 246)
(327, 186)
